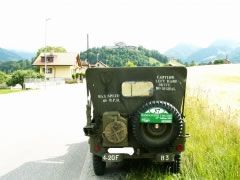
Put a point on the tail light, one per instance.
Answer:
(180, 148)
(97, 148)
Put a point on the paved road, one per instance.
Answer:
(113, 171)
(41, 133)
(41, 136)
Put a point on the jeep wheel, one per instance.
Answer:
(157, 135)
(98, 165)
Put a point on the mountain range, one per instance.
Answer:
(185, 52)
(14, 55)
(219, 49)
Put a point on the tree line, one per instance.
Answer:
(11, 66)
(14, 72)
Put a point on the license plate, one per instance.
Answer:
(165, 157)
(112, 157)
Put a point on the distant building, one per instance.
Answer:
(220, 61)
(122, 45)
(99, 64)
(174, 62)
(226, 61)
(84, 65)
(64, 65)
(59, 65)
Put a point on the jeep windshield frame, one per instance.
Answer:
(137, 88)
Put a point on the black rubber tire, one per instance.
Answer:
(99, 165)
(174, 167)
(142, 131)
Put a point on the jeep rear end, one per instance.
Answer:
(136, 113)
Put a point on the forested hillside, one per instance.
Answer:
(11, 66)
(121, 56)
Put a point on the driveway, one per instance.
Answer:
(41, 133)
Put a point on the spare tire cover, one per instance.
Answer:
(156, 135)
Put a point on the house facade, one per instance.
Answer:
(99, 64)
(63, 65)
(59, 65)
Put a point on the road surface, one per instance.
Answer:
(41, 133)
(41, 136)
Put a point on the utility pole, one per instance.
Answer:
(45, 56)
(87, 46)
(97, 56)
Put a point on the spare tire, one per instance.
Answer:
(155, 135)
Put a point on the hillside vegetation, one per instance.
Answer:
(11, 66)
(119, 56)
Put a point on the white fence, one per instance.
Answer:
(30, 83)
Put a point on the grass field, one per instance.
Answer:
(212, 119)
(221, 82)
(212, 151)
(6, 91)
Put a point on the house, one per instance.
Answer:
(84, 65)
(59, 65)
(220, 61)
(226, 61)
(99, 64)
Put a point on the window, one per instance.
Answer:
(133, 88)
(49, 70)
(49, 58)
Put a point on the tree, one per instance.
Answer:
(11, 66)
(50, 49)
(193, 63)
(119, 56)
(186, 64)
(130, 64)
(3, 77)
(19, 76)
(219, 61)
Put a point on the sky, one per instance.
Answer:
(154, 24)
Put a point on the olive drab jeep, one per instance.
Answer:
(136, 113)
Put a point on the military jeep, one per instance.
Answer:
(136, 113)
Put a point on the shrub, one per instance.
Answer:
(3, 77)
(18, 77)
(73, 76)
